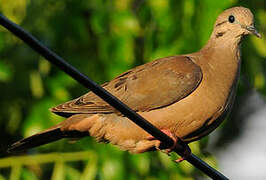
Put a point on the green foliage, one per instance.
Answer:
(102, 39)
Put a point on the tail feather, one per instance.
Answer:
(44, 138)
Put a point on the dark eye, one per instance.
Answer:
(231, 19)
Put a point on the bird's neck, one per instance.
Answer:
(220, 63)
(228, 43)
(224, 51)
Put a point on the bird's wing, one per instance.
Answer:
(150, 86)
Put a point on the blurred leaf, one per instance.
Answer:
(5, 72)
(90, 170)
(59, 171)
(38, 118)
(36, 84)
(2, 177)
(26, 174)
(141, 162)
(15, 118)
(72, 173)
(44, 66)
(15, 172)
(15, 10)
(260, 45)
(124, 22)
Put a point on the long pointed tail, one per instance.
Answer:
(47, 136)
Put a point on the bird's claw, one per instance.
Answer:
(158, 143)
(186, 152)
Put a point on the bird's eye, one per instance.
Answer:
(231, 19)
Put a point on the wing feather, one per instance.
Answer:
(150, 86)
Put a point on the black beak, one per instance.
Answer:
(253, 30)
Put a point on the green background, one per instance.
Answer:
(104, 38)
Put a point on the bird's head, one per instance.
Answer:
(235, 22)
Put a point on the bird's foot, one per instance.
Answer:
(186, 152)
(180, 146)
(158, 144)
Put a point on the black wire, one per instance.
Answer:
(105, 95)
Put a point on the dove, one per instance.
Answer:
(186, 96)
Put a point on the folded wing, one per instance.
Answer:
(150, 86)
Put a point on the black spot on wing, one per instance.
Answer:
(120, 82)
(78, 102)
(134, 77)
(220, 34)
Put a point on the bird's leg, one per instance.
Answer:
(158, 143)
(176, 145)
(186, 152)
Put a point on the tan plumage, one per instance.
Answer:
(189, 95)
(174, 77)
